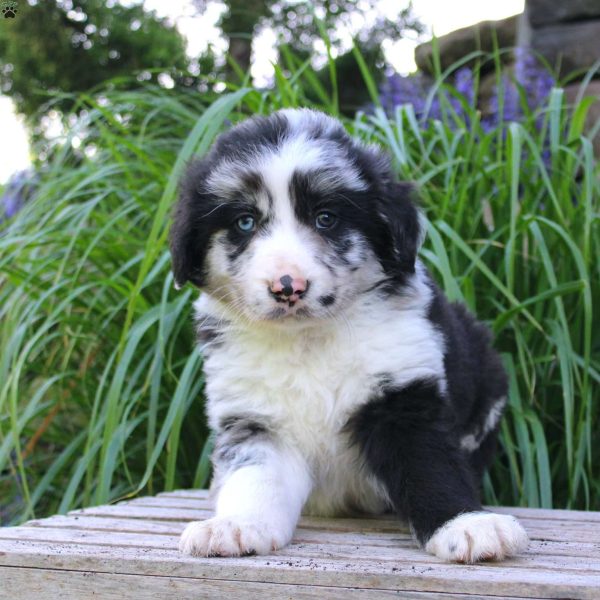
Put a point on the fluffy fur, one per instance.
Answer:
(339, 380)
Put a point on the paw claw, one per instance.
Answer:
(478, 536)
(221, 536)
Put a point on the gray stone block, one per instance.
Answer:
(457, 44)
(573, 46)
(546, 12)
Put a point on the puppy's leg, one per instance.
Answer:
(406, 439)
(257, 508)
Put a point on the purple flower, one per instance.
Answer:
(536, 81)
(530, 78)
(16, 193)
(504, 105)
(463, 82)
(398, 91)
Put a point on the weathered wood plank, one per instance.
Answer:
(143, 512)
(132, 546)
(175, 528)
(302, 535)
(199, 499)
(136, 511)
(499, 580)
(557, 531)
(546, 514)
(69, 585)
(109, 524)
(356, 552)
(536, 527)
(534, 513)
(170, 502)
(185, 494)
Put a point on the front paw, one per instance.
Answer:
(476, 536)
(221, 536)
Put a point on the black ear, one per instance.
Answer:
(189, 235)
(400, 216)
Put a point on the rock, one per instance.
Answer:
(488, 89)
(545, 12)
(572, 46)
(457, 44)
(593, 115)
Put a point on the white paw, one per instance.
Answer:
(221, 536)
(476, 536)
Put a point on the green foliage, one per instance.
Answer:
(74, 45)
(100, 389)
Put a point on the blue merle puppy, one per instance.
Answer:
(339, 379)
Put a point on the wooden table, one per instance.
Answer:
(129, 550)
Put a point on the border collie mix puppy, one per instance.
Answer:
(338, 377)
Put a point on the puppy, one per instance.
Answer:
(339, 380)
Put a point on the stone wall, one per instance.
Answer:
(566, 33)
(457, 44)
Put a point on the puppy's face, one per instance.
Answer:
(287, 218)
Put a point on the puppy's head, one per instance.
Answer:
(288, 217)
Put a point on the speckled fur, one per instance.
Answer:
(371, 393)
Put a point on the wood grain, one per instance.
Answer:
(129, 550)
(31, 583)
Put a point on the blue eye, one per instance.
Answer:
(245, 224)
(325, 220)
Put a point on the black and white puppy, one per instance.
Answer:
(338, 377)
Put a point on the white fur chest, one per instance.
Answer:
(307, 383)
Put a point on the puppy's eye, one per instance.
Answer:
(325, 220)
(246, 224)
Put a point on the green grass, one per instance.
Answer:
(100, 389)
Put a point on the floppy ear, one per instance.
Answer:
(401, 220)
(189, 237)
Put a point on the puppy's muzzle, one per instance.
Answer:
(288, 289)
